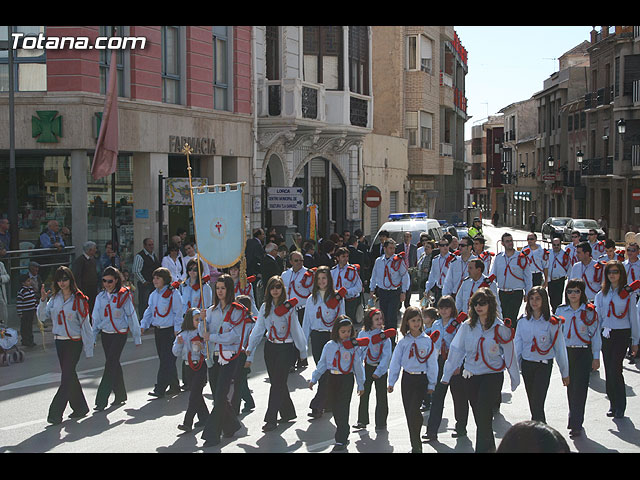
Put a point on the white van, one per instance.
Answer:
(414, 222)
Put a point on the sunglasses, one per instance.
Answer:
(632, 250)
(277, 287)
(575, 236)
(617, 272)
(443, 244)
(573, 290)
(592, 234)
(481, 303)
(297, 260)
(108, 280)
(64, 279)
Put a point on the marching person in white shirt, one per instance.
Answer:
(473, 282)
(348, 276)
(588, 270)
(439, 268)
(172, 261)
(618, 314)
(571, 248)
(513, 276)
(485, 255)
(538, 258)
(558, 267)
(114, 316)
(458, 268)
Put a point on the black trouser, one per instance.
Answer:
(351, 308)
(390, 306)
(70, 390)
(222, 418)
(511, 303)
(536, 279)
(437, 294)
(318, 341)
(167, 370)
(197, 405)
(580, 361)
(460, 402)
(614, 349)
(556, 291)
(414, 389)
(112, 378)
(279, 358)
(382, 405)
(536, 376)
(241, 390)
(144, 290)
(341, 388)
(26, 327)
(482, 391)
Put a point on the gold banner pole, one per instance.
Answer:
(187, 150)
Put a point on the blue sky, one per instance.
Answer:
(510, 63)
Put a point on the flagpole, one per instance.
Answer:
(187, 150)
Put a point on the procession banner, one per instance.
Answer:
(219, 223)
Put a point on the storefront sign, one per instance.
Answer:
(200, 145)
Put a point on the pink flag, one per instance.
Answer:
(105, 158)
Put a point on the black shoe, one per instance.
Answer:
(360, 426)
(339, 447)
(430, 437)
(78, 414)
(54, 421)
(199, 423)
(269, 426)
(576, 432)
(155, 394)
(231, 434)
(248, 408)
(100, 409)
(610, 413)
(459, 434)
(118, 403)
(174, 391)
(185, 428)
(315, 413)
(287, 419)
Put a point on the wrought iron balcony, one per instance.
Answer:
(597, 166)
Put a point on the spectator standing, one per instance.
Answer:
(144, 263)
(85, 272)
(270, 266)
(254, 252)
(34, 275)
(4, 280)
(109, 258)
(26, 304)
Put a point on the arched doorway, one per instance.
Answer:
(323, 185)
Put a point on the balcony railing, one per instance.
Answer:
(597, 166)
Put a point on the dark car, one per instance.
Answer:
(583, 225)
(554, 226)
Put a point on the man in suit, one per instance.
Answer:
(410, 259)
(324, 256)
(254, 251)
(85, 272)
(377, 248)
(269, 266)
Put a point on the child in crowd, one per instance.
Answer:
(376, 366)
(189, 347)
(26, 305)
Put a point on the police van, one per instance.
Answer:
(414, 222)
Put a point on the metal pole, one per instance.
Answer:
(160, 213)
(13, 190)
(114, 236)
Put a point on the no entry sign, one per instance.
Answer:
(372, 196)
(635, 194)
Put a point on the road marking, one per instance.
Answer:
(55, 377)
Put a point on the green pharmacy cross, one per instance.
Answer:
(46, 126)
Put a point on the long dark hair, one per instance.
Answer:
(606, 284)
(187, 321)
(330, 289)
(546, 309)
(230, 295)
(115, 273)
(483, 294)
(268, 299)
(59, 274)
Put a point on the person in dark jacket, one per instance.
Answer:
(85, 272)
(270, 266)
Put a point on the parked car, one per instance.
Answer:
(554, 226)
(583, 225)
